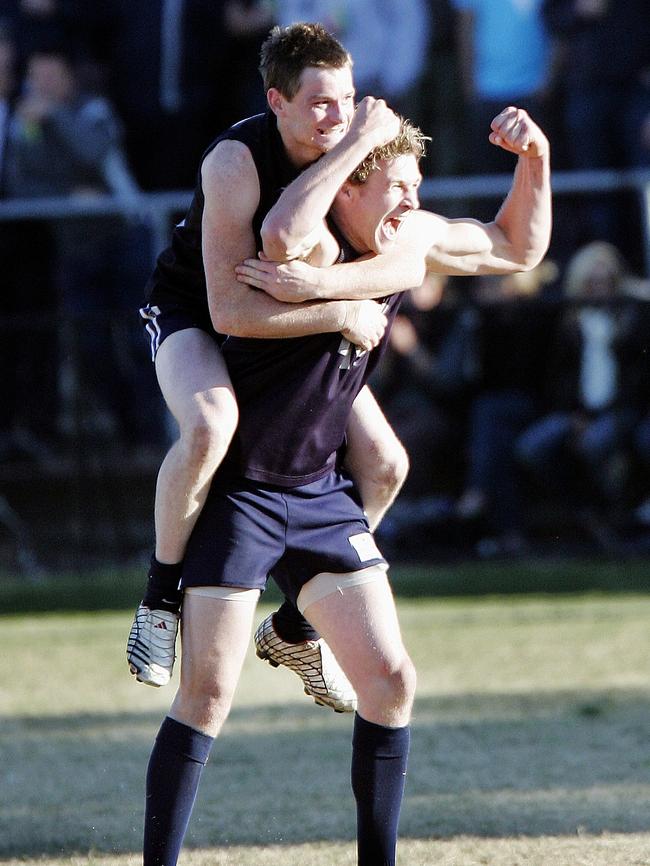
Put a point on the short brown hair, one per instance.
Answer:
(409, 139)
(289, 50)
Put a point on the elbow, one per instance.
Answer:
(534, 257)
(528, 263)
(232, 325)
(224, 321)
(279, 242)
(275, 241)
(528, 255)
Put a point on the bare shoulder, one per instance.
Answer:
(228, 174)
(422, 229)
(232, 194)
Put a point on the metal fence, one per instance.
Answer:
(89, 507)
(157, 209)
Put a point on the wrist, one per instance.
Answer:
(355, 147)
(320, 284)
(542, 152)
(348, 314)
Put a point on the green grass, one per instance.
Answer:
(120, 589)
(530, 740)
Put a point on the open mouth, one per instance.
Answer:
(391, 226)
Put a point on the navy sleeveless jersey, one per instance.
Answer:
(294, 395)
(178, 277)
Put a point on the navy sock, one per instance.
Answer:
(162, 592)
(379, 758)
(291, 625)
(175, 766)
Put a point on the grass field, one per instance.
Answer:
(531, 739)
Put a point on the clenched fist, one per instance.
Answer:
(375, 122)
(513, 130)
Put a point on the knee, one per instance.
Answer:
(403, 682)
(202, 703)
(207, 431)
(390, 692)
(393, 466)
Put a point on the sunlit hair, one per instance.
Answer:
(408, 140)
(588, 258)
(287, 51)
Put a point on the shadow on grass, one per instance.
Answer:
(494, 765)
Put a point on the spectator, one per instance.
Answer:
(7, 91)
(27, 339)
(597, 384)
(387, 40)
(247, 24)
(166, 78)
(511, 334)
(440, 108)
(36, 24)
(64, 143)
(605, 69)
(504, 60)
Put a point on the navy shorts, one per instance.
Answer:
(247, 532)
(161, 320)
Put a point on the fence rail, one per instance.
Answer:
(94, 501)
(157, 209)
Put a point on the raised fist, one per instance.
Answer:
(513, 130)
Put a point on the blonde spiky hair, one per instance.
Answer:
(409, 139)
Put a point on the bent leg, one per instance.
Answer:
(195, 384)
(375, 457)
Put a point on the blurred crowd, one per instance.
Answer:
(506, 391)
(523, 401)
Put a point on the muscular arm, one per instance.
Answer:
(231, 190)
(371, 276)
(516, 240)
(518, 237)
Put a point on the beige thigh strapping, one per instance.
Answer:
(227, 593)
(327, 583)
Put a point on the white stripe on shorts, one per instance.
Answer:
(152, 327)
